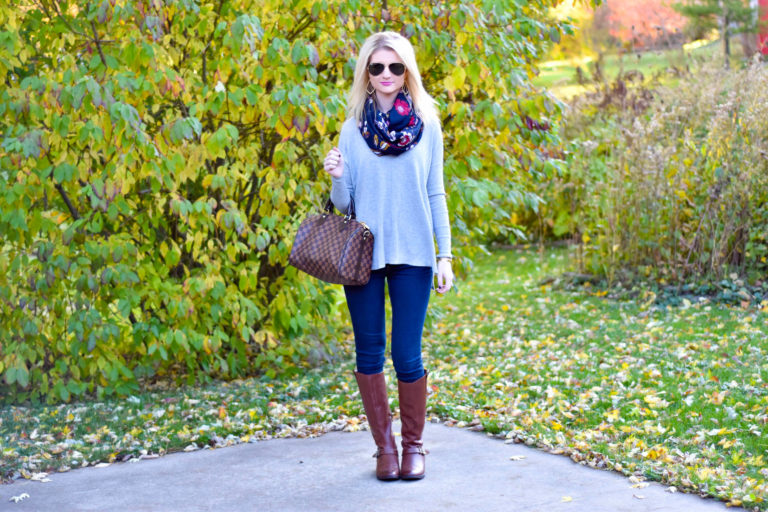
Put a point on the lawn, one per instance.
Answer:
(560, 76)
(678, 395)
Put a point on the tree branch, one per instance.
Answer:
(62, 18)
(65, 197)
(98, 44)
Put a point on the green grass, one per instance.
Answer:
(678, 395)
(561, 79)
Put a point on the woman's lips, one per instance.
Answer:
(386, 83)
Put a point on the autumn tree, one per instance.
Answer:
(728, 16)
(158, 156)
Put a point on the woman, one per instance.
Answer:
(390, 160)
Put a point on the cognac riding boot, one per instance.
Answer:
(413, 412)
(373, 390)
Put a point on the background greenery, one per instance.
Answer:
(157, 158)
(667, 182)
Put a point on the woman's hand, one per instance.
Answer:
(444, 275)
(334, 163)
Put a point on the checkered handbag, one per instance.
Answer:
(334, 248)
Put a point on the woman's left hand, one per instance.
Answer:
(444, 276)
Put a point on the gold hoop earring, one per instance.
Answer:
(369, 89)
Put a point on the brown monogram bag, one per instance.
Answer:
(334, 248)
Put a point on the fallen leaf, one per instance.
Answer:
(18, 498)
(40, 477)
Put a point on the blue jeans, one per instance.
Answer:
(409, 289)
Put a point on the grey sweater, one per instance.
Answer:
(401, 198)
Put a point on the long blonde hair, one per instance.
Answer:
(423, 103)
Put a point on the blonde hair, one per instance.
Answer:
(423, 103)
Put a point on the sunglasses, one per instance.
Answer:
(377, 68)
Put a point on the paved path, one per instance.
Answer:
(465, 471)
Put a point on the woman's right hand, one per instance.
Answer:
(334, 163)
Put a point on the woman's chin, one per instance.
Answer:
(388, 90)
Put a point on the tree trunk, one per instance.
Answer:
(726, 39)
(749, 43)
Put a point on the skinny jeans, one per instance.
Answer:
(409, 289)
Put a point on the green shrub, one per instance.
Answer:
(157, 158)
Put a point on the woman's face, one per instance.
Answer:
(386, 83)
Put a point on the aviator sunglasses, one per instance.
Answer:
(377, 68)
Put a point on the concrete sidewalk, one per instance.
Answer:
(335, 472)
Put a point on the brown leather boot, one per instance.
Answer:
(413, 412)
(373, 390)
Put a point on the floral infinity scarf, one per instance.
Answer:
(393, 132)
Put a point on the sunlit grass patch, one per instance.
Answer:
(561, 78)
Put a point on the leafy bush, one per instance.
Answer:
(158, 157)
(670, 183)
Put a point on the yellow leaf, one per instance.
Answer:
(458, 77)
(566, 499)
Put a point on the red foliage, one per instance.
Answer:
(763, 37)
(644, 23)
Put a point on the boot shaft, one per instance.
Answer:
(413, 410)
(373, 392)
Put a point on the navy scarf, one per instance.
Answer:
(393, 132)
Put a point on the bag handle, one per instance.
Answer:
(350, 210)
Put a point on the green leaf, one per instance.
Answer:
(64, 172)
(554, 35)
(97, 224)
(32, 144)
(473, 72)
(10, 375)
(63, 393)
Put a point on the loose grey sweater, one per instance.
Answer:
(401, 198)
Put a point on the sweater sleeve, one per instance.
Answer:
(436, 193)
(342, 188)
